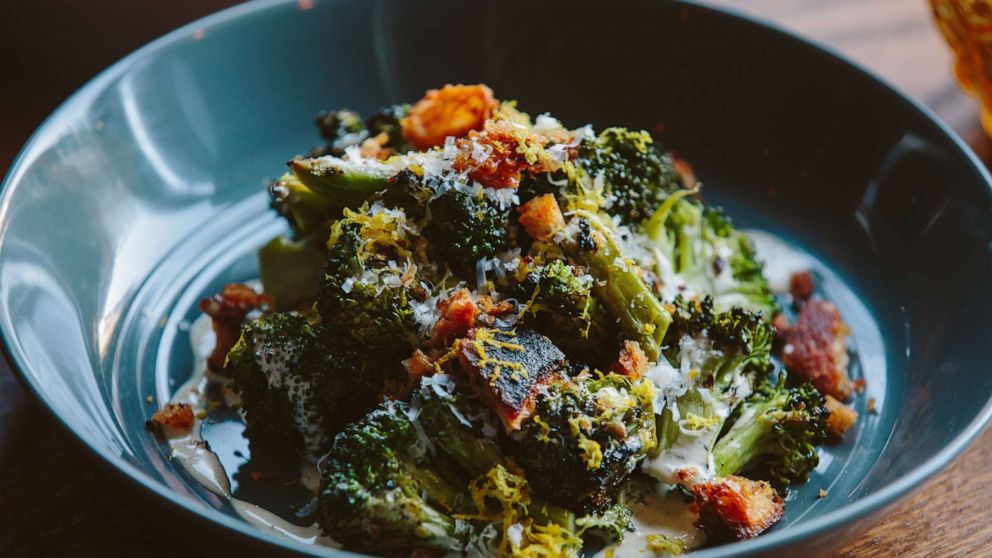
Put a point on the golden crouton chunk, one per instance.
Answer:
(841, 417)
(541, 217)
(736, 509)
(453, 111)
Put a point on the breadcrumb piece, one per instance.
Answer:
(632, 361)
(541, 217)
(842, 417)
(823, 493)
(871, 406)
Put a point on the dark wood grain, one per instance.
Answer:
(55, 500)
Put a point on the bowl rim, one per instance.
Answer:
(43, 135)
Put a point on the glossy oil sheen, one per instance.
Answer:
(143, 192)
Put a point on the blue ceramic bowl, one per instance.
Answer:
(143, 192)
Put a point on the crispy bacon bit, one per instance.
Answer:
(176, 417)
(736, 509)
(453, 110)
(541, 217)
(841, 417)
(816, 348)
(458, 315)
(508, 369)
(229, 310)
(801, 286)
(501, 152)
(632, 361)
(417, 366)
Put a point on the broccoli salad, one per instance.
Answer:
(489, 334)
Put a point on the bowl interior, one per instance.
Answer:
(143, 193)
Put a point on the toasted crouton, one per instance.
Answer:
(541, 217)
(508, 369)
(736, 509)
(816, 348)
(632, 361)
(458, 315)
(453, 111)
(841, 417)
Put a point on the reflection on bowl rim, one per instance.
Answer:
(876, 501)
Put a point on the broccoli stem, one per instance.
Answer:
(290, 270)
(437, 488)
(745, 441)
(621, 290)
(346, 184)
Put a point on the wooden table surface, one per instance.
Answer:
(55, 500)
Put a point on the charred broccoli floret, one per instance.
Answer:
(714, 360)
(636, 177)
(610, 526)
(341, 128)
(780, 428)
(387, 121)
(279, 393)
(370, 280)
(459, 426)
(465, 227)
(299, 384)
(585, 437)
(559, 304)
(379, 493)
(617, 283)
(697, 249)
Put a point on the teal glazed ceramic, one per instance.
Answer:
(143, 192)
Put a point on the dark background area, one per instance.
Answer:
(55, 499)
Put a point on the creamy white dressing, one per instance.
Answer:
(663, 513)
(190, 451)
(781, 259)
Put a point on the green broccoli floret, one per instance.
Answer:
(698, 249)
(559, 304)
(718, 357)
(636, 177)
(370, 280)
(611, 526)
(459, 426)
(341, 128)
(279, 393)
(779, 428)
(290, 270)
(299, 384)
(585, 437)
(618, 284)
(465, 227)
(379, 493)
